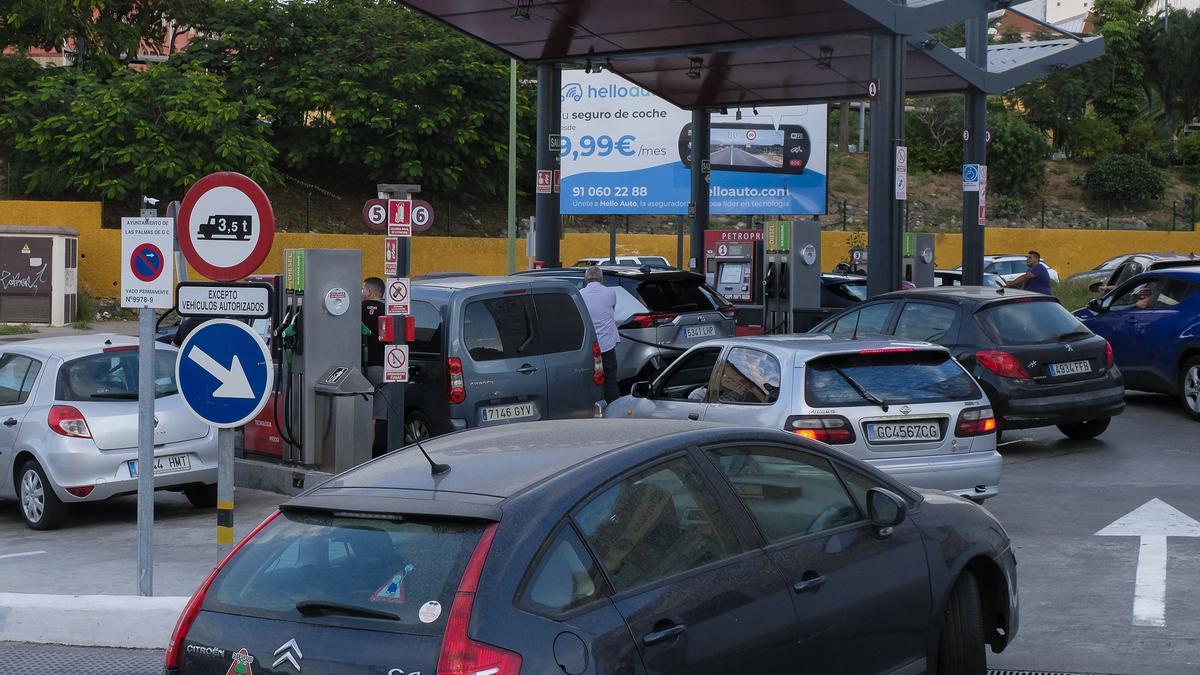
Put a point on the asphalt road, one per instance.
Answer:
(731, 156)
(1076, 588)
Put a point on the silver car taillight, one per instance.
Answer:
(66, 420)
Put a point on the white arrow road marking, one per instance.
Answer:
(1153, 522)
(233, 380)
(19, 555)
(286, 649)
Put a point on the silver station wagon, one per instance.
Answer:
(908, 408)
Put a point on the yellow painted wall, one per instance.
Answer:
(1068, 251)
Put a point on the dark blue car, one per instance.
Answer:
(609, 547)
(1153, 324)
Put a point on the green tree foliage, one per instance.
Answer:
(154, 132)
(1055, 104)
(372, 89)
(104, 33)
(1017, 155)
(933, 132)
(1169, 54)
(1119, 75)
(1094, 137)
(1125, 180)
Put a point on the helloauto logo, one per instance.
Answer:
(573, 91)
(576, 92)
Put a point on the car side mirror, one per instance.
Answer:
(885, 509)
(1096, 306)
(1095, 286)
(640, 390)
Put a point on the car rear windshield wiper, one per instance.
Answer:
(1078, 333)
(860, 389)
(325, 608)
(115, 396)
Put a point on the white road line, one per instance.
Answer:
(1150, 588)
(1152, 523)
(19, 555)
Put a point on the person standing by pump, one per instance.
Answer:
(372, 357)
(601, 303)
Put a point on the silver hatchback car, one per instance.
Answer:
(68, 427)
(907, 408)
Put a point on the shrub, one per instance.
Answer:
(85, 309)
(1092, 138)
(1125, 180)
(1189, 150)
(1017, 155)
(1006, 206)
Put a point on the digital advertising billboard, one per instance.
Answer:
(626, 151)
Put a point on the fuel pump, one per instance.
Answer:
(792, 276)
(919, 259)
(322, 395)
(732, 265)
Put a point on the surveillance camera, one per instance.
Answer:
(150, 200)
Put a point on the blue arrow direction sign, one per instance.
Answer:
(224, 373)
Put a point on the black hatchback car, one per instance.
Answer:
(1038, 364)
(603, 547)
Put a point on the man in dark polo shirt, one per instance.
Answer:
(372, 309)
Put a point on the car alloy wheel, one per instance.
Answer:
(33, 495)
(416, 428)
(1191, 388)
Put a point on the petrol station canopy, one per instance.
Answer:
(714, 53)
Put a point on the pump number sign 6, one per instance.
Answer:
(226, 226)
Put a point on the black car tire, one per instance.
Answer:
(1189, 387)
(960, 649)
(417, 427)
(202, 496)
(1085, 430)
(40, 507)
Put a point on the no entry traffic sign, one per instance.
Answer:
(146, 272)
(395, 363)
(227, 226)
(396, 299)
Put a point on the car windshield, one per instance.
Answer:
(113, 376)
(1030, 322)
(372, 573)
(677, 294)
(894, 377)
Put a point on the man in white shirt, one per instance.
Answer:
(601, 302)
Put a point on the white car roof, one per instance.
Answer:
(70, 346)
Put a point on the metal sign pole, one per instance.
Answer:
(224, 491)
(145, 464)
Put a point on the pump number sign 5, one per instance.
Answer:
(226, 226)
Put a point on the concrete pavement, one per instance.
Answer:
(78, 585)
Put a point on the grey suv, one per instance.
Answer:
(493, 350)
(660, 314)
